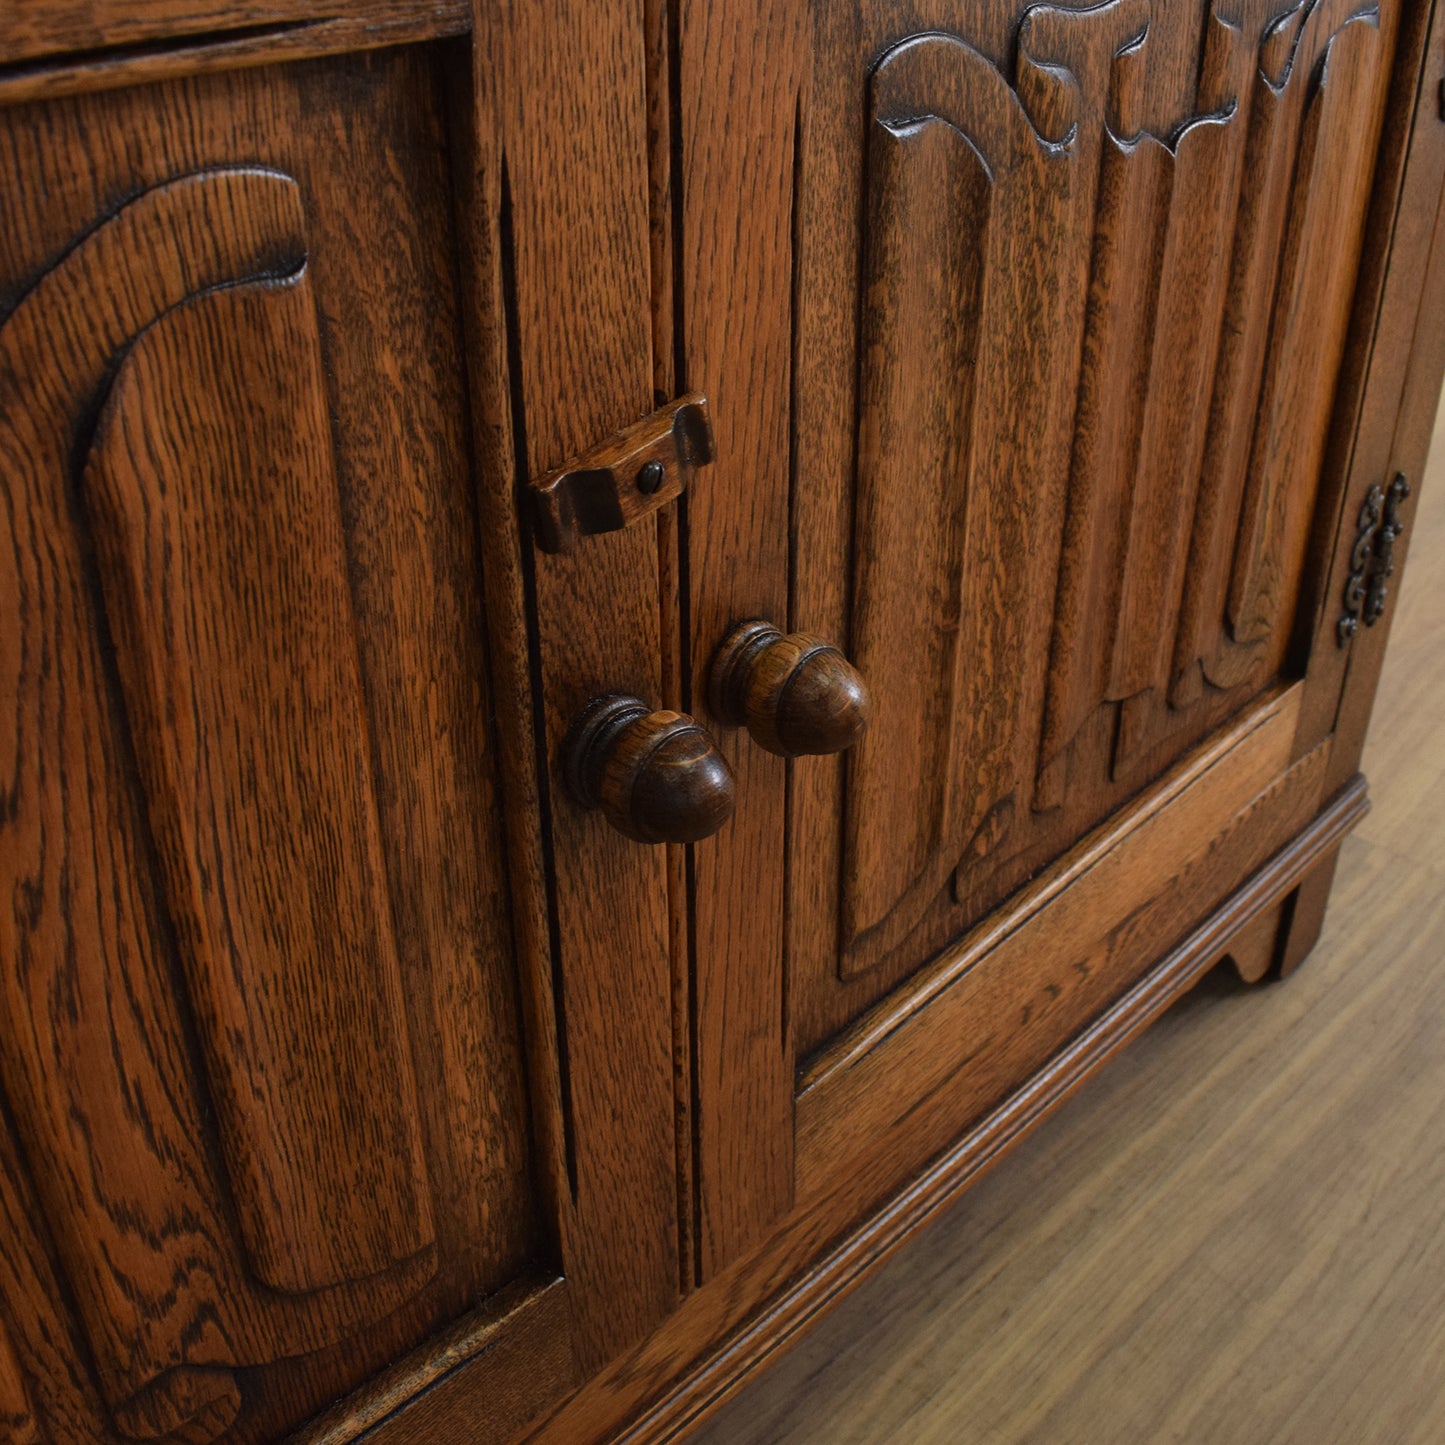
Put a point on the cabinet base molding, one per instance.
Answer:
(789, 1312)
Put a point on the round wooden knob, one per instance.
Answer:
(796, 695)
(657, 776)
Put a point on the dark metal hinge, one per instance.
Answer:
(1372, 558)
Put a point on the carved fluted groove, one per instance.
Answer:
(1224, 62)
(656, 776)
(1132, 215)
(931, 200)
(796, 695)
(1280, 43)
(1158, 379)
(1128, 78)
(1243, 419)
(1307, 341)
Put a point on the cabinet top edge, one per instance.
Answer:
(48, 51)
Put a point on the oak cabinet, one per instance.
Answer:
(937, 471)
(1066, 413)
(278, 1099)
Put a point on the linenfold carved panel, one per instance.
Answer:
(1095, 372)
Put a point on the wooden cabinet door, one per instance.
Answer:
(318, 1043)
(1106, 260)
(1052, 306)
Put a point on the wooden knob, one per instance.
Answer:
(796, 695)
(657, 776)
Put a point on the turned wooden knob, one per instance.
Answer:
(796, 695)
(657, 776)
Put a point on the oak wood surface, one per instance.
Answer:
(202, 52)
(1031, 981)
(1232, 1234)
(482, 1379)
(539, 1082)
(148, 1222)
(36, 30)
(558, 247)
(733, 235)
(1078, 631)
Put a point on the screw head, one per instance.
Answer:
(650, 478)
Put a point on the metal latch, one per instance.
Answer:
(624, 479)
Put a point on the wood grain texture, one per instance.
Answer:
(1021, 987)
(734, 246)
(46, 1348)
(1307, 340)
(16, 1416)
(1139, 1269)
(236, 648)
(131, 1183)
(204, 52)
(32, 30)
(481, 1380)
(153, 1218)
(559, 239)
(1079, 632)
(911, 295)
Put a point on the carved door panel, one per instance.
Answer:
(271, 1115)
(1066, 410)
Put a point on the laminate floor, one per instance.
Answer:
(1235, 1235)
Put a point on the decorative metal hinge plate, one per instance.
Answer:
(624, 479)
(1372, 558)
